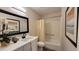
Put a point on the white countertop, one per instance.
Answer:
(21, 42)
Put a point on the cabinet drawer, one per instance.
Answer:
(27, 47)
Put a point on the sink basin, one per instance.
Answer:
(27, 38)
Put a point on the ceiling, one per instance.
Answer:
(46, 10)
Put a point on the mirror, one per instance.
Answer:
(0, 26)
(12, 24)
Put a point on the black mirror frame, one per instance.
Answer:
(9, 13)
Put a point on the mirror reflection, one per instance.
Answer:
(12, 24)
(9, 26)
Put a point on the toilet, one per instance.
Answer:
(41, 45)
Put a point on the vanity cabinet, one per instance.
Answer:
(31, 46)
(34, 46)
(27, 47)
(19, 49)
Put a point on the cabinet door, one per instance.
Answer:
(27, 47)
(20, 49)
(34, 45)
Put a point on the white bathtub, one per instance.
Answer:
(53, 45)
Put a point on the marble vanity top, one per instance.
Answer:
(21, 42)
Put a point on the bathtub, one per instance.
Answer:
(53, 45)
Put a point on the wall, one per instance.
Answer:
(66, 44)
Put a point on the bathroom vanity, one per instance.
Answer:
(27, 44)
